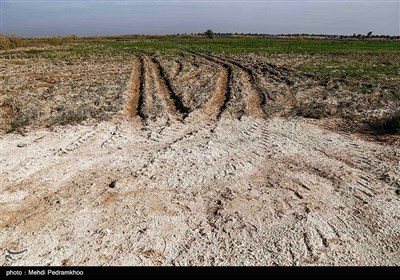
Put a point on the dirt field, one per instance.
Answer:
(193, 159)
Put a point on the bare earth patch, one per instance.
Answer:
(196, 161)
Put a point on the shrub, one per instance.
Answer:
(209, 34)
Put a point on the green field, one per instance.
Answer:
(225, 45)
(337, 58)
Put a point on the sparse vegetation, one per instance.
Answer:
(356, 77)
(11, 41)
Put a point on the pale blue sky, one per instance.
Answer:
(95, 17)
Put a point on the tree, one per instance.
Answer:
(369, 34)
(209, 34)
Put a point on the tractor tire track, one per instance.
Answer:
(139, 109)
(217, 104)
(136, 90)
(254, 100)
(225, 85)
(226, 88)
(252, 79)
(157, 105)
(153, 105)
(179, 68)
(165, 84)
(278, 74)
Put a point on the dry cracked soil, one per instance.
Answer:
(189, 160)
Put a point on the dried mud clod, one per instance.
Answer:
(113, 184)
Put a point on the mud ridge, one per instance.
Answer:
(278, 75)
(227, 87)
(250, 73)
(180, 68)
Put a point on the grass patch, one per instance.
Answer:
(253, 45)
(167, 45)
(354, 71)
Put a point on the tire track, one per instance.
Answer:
(217, 104)
(278, 74)
(224, 87)
(282, 85)
(252, 79)
(188, 76)
(200, 120)
(179, 69)
(136, 90)
(168, 90)
(157, 104)
(139, 109)
(81, 140)
(255, 99)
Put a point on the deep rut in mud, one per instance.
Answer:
(136, 86)
(211, 86)
(179, 106)
(250, 79)
(235, 91)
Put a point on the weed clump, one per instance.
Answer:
(10, 42)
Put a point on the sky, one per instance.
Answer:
(41, 18)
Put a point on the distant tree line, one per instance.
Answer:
(211, 34)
